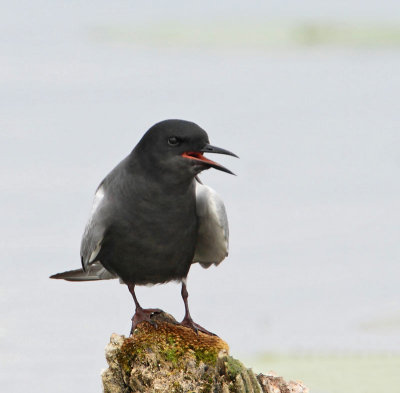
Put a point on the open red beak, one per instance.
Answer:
(198, 156)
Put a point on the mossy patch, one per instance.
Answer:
(206, 356)
(233, 367)
(172, 344)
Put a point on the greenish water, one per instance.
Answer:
(339, 373)
(253, 33)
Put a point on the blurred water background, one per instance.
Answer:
(306, 93)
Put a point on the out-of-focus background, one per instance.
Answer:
(306, 93)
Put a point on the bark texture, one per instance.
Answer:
(174, 359)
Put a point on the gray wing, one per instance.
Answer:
(101, 216)
(92, 269)
(213, 234)
(94, 231)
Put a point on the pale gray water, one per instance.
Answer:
(314, 211)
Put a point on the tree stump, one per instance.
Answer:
(170, 358)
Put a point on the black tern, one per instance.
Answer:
(152, 217)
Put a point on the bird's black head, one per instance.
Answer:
(177, 147)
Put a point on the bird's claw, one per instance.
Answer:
(142, 315)
(188, 322)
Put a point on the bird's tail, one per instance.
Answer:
(96, 271)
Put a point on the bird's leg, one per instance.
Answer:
(187, 320)
(141, 314)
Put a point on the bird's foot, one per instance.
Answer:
(144, 314)
(188, 322)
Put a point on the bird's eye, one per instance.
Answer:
(173, 141)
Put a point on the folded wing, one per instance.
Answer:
(92, 269)
(213, 234)
(94, 231)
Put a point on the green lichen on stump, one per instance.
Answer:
(169, 344)
(173, 358)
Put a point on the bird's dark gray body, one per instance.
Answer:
(152, 218)
(151, 225)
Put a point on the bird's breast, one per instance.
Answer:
(152, 239)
